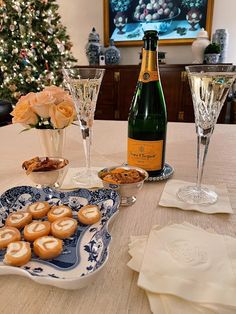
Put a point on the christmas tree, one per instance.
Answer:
(34, 47)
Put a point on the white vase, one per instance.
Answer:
(199, 45)
(52, 142)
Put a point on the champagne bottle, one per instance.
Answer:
(147, 122)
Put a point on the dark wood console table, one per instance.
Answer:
(119, 84)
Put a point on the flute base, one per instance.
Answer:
(194, 195)
(127, 201)
(85, 178)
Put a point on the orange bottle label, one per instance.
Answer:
(145, 154)
(148, 70)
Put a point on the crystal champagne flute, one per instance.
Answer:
(84, 85)
(209, 85)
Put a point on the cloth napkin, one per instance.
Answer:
(185, 269)
(169, 198)
(69, 184)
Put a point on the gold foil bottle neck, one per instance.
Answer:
(149, 70)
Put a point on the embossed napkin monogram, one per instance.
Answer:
(185, 269)
(170, 199)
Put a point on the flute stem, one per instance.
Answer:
(202, 149)
(87, 141)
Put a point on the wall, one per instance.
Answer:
(80, 16)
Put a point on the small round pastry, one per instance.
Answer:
(47, 247)
(8, 235)
(39, 209)
(18, 253)
(58, 212)
(89, 214)
(36, 230)
(63, 227)
(18, 219)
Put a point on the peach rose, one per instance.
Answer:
(26, 98)
(58, 93)
(22, 113)
(41, 103)
(62, 114)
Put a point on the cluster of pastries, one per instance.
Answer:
(43, 164)
(123, 176)
(45, 236)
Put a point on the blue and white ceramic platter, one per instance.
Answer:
(84, 254)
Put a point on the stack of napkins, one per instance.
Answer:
(186, 270)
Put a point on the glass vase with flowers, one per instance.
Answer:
(50, 112)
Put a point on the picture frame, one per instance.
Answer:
(178, 24)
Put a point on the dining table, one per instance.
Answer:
(115, 289)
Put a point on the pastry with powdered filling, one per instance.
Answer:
(36, 230)
(7, 235)
(58, 212)
(39, 209)
(47, 247)
(18, 253)
(89, 214)
(64, 227)
(18, 219)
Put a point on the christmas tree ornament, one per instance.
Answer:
(12, 87)
(12, 27)
(68, 45)
(2, 3)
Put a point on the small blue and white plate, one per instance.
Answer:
(84, 254)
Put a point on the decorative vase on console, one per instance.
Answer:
(212, 53)
(112, 54)
(93, 48)
(221, 37)
(199, 45)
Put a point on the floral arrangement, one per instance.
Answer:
(51, 108)
(189, 4)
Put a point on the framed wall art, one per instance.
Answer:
(177, 21)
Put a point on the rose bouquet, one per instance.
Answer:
(51, 108)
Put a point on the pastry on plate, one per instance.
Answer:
(18, 219)
(36, 229)
(18, 253)
(39, 209)
(47, 247)
(89, 214)
(58, 212)
(7, 235)
(64, 227)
